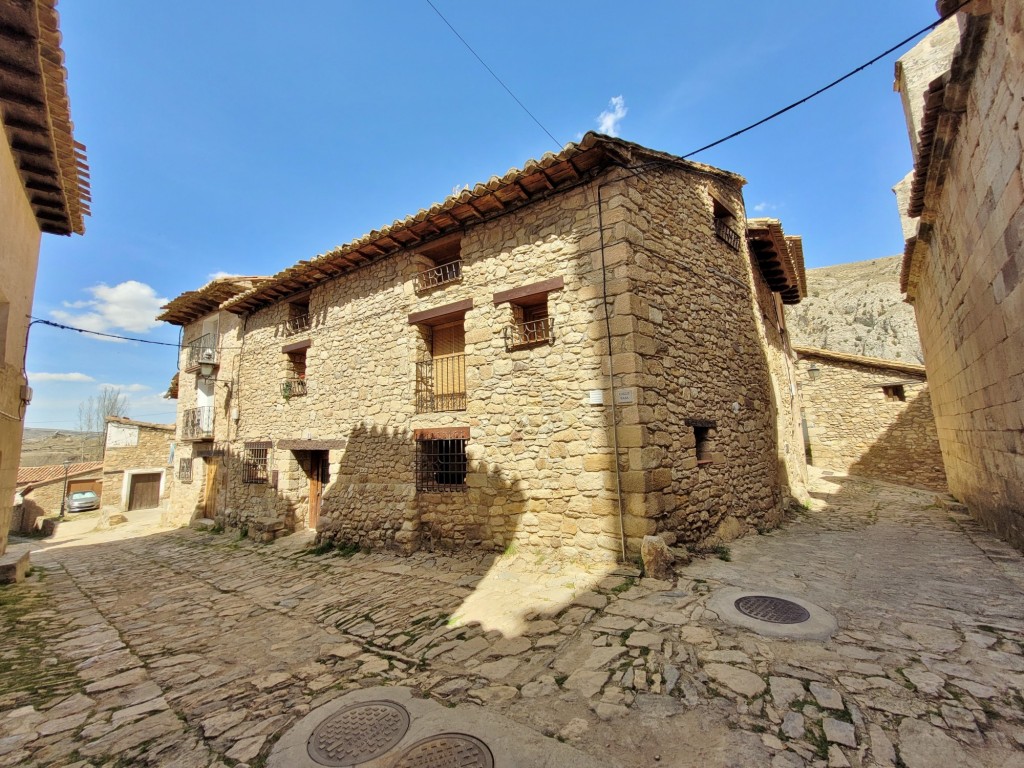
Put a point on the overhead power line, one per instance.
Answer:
(833, 84)
(97, 333)
(495, 76)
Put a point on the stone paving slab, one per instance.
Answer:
(190, 648)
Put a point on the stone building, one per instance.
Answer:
(870, 417)
(963, 209)
(207, 369)
(136, 458)
(43, 188)
(569, 357)
(43, 488)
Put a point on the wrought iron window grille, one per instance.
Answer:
(540, 331)
(725, 233)
(294, 387)
(441, 466)
(185, 470)
(441, 274)
(298, 323)
(441, 384)
(197, 423)
(255, 461)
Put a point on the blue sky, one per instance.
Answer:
(233, 137)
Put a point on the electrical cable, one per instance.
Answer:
(834, 83)
(500, 82)
(105, 335)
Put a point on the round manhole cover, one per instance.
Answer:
(772, 609)
(358, 733)
(447, 750)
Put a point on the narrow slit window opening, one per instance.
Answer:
(702, 439)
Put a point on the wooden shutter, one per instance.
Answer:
(449, 346)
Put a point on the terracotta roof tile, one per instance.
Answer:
(51, 472)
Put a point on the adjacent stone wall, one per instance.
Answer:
(151, 453)
(19, 256)
(45, 499)
(969, 296)
(685, 343)
(707, 356)
(853, 427)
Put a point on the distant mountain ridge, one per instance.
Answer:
(857, 308)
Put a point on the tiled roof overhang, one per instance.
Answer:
(191, 305)
(36, 116)
(536, 180)
(867, 362)
(945, 101)
(780, 258)
(49, 472)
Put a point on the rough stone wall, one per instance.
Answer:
(19, 256)
(539, 470)
(705, 353)
(151, 453)
(853, 428)
(45, 499)
(970, 293)
(187, 501)
(685, 343)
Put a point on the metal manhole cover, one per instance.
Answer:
(358, 733)
(447, 750)
(772, 609)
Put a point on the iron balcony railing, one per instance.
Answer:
(197, 423)
(439, 275)
(294, 387)
(202, 350)
(727, 234)
(298, 324)
(533, 332)
(441, 384)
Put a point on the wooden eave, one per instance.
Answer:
(36, 116)
(192, 305)
(536, 180)
(868, 362)
(771, 249)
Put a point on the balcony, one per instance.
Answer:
(539, 331)
(197, 423)
(449, 272)
(294, 387)
(298, 324)
(202, 351)
(441, 384)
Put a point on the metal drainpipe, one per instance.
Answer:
(611, 371)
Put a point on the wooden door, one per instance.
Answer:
(85, 485)
(319, 476)
(144, 491)
(210, 493)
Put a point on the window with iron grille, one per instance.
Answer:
(255, 461)
(441, 465)
(299, 319)
(446, 256)
(724, 227)
(185, 470)
(531, 324)
(441, 378)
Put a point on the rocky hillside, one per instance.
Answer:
(51, 446)
(857, 308)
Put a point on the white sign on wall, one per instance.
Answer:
(122, 436)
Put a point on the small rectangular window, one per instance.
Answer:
(446, 254)
(531, 324)
(185, 470)
(441, 465)
(724, 227)
(255, 461)
(441, 380)
(703, 438)
(298, 317)
(894, 393)
(294, 383)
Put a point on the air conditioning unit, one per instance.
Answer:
(208, 356)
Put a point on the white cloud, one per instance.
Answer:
(128, 306)
(81, 377)
(128, 387)
(762, 207)
(220, 274)
(608, 121)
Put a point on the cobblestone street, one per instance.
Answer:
(182, 648)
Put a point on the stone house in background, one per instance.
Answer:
(203, 387)
(869, 417)
(136, 461)
(43, 188)
(963, 209)
(572, 356)
(42, 489)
